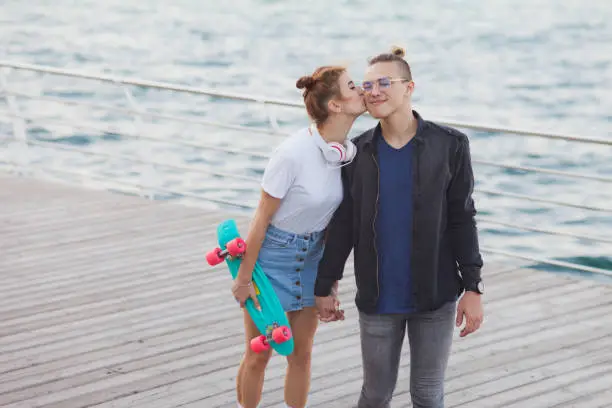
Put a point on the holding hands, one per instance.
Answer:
(328, 307)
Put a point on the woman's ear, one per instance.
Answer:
(334, 106)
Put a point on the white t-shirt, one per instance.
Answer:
(310, 189)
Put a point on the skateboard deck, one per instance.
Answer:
(271, 321)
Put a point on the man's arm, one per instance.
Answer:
(461, 213)
(338, 242)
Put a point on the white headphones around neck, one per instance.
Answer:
(335, 153)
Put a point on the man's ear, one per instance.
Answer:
(409, 88)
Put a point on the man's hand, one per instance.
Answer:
(469, 306)
(328, 307)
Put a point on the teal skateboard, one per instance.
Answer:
(271, 320)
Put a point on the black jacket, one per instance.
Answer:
(445, 254)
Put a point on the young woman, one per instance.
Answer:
(302, 188)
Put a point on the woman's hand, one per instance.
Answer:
(243, 291)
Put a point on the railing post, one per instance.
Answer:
(19, 147)
(148, 177)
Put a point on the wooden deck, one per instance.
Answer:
(106, 301)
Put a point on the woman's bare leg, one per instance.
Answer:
(297, 382)
(250, 378)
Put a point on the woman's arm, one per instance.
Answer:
(268, 205)
(242, 287)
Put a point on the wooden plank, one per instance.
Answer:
(590, 399)
(571, 393)
(89, 247)
(529, 388)
(106, 244)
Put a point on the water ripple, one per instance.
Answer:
(543, 65)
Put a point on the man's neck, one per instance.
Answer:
(400, 127)
(336, 130)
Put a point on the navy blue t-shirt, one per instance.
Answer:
(394, 227)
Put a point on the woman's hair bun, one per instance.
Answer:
(306, 81)
(398, 51)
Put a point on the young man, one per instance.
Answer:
(408, 214)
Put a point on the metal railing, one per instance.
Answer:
(19, 121)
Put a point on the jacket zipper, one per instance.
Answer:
(374, 222)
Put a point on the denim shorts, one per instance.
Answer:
(290, 262)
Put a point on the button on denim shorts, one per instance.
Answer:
(290, 262)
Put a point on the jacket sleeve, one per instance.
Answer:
(461, 215)
(338, 242)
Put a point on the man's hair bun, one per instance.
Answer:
(398, 51)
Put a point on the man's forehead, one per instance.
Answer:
(380, 70)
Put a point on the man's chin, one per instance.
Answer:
(377, 113)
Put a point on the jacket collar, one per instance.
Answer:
(372, 135)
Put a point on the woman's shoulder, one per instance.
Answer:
(293, 145)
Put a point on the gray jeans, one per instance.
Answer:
(430, 336)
